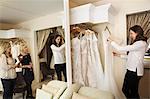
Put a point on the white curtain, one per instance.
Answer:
(42, 37)
(60, 31)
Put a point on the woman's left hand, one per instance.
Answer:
(109, 39)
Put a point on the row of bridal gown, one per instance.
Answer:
(87, 68)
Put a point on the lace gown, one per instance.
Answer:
(76, 61)
(87, 68)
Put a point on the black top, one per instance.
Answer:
(27, 72)
(25, 60)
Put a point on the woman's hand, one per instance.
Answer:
(13, 66)
(116, 54)
(109, 39)
(29, 66)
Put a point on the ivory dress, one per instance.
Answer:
(87, 68)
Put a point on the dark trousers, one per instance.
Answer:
(28, 77)
(130, 85)
(29, 88)
(8, 86)
(61, 68)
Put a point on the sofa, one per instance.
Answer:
(59, 90)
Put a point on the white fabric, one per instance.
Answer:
(76, 61)
(1, 86)
(94, 56)
(15, 51)
(50, 89)
(109, 80)
(41, 94)
(42, 38)
(87, 68)
(135, 59)
(52, 63)
(6, 72)
(60, 31)
(18, 69)
(59, 54)
(60, 87)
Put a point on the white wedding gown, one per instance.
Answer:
(87, 68)
(109, 80)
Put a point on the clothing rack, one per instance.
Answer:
(106, 28)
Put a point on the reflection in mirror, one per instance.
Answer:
(51, 51)
(148, 49)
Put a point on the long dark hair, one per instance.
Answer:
(60, 43)
(140, 33)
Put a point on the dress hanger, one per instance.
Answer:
(106, 28)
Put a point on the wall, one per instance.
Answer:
(118, 28)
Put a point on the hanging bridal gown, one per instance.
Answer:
(95, 72)
(109, 80)
(87, 68)
(76, 61)
(96, 61)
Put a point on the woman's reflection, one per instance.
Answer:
(58, 49)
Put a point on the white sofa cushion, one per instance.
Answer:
(50, 89)
(41, 94)
(95, 93)
(55, 84)
(78, 96)
(69, 91)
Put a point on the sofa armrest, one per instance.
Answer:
(69, 91)
(56, 88)
(41, 94)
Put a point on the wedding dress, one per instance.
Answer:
(87, 68)
(76, 61)
(94, 56)
(109, 80)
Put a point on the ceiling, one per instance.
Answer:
(17, 11)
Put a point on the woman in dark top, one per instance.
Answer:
(26, 64)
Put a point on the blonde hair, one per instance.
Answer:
(1, 50)
(22, 47)
(4, 45)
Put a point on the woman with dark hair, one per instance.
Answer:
(58, 49)
(135, 59)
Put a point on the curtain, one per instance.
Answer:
(42, 37)
(60, 31)
(142, 19)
